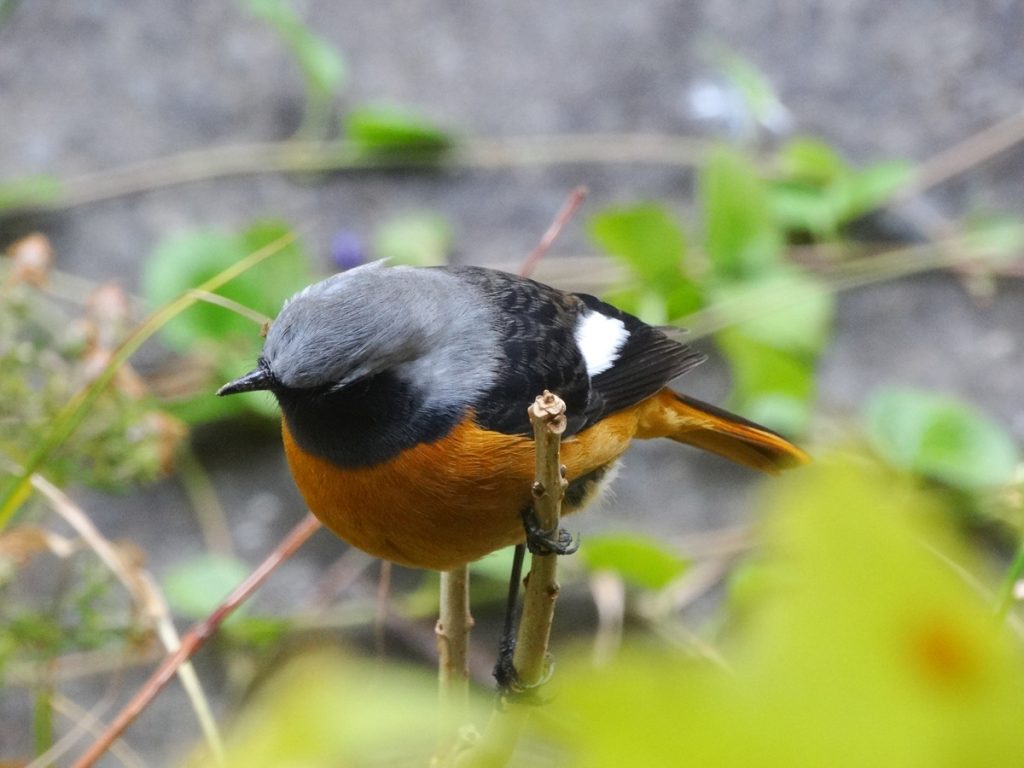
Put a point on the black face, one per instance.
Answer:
(367, 422)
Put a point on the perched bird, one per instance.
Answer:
(404, 394)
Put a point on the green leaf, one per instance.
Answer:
(263, 632)
(497, 565)
(941, 438)
(195, 587)
(799, 207)
(742, 238)
(187, 259)
(862, 191)
(387, 129)
(645, 237)
(649, 241)
(771, 386)
(29, 191)
(322, 65)
(757, 92)
(861, 646)
(789, 310)
(642, 561)
(420, 239)
(230, 341)
(811, 160)
(324, 709)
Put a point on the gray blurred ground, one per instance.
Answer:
(90, 86)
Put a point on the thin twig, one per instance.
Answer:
(230, 304)
(210, 514)
(530, 660)
(572, 203)
(547, 415)
(303, 157)
(453, 628)
(380, 616)
(976, 149)
(88, 721)
(146, 594)
(197, 637)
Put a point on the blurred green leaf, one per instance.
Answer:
(29, 191)
(864, 190)
(419, 239)
(645, 237)
(322, 65)
(324, 710)
(195, 587)
(649, 241)
(800, 207)
(386, 129)
(497, 565)
(642, 561)
(228, 340)
(6, 8)
(757, 92)
(258, 631)
(864, 647)
(811, 160)
(789, 310)
(771, 386)
(940, 438)
(742, 238)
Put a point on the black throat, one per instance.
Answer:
(367, 422)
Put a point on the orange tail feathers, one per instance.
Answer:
(709, 428)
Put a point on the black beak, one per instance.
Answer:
(254, 380)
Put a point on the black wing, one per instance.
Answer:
(647, 361)
(537, 325)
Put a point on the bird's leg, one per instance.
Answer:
(504, 669)
(544, 542)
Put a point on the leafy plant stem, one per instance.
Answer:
(73, 413)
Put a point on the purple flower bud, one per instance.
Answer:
(347, 250)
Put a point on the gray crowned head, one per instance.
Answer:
(423, 324)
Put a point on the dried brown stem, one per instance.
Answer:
(147, 596)
(572, 203)
(197, 637)
(978, 148)
(345, 156)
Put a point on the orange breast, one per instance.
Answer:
(443, 504)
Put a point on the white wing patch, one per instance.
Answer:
(600, 338)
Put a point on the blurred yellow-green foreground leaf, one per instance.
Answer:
(862, 645)
(856, 641)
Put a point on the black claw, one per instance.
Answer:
(545, 542)
(505, 670)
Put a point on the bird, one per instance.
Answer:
(404, 394)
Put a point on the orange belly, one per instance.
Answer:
(443, 504)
